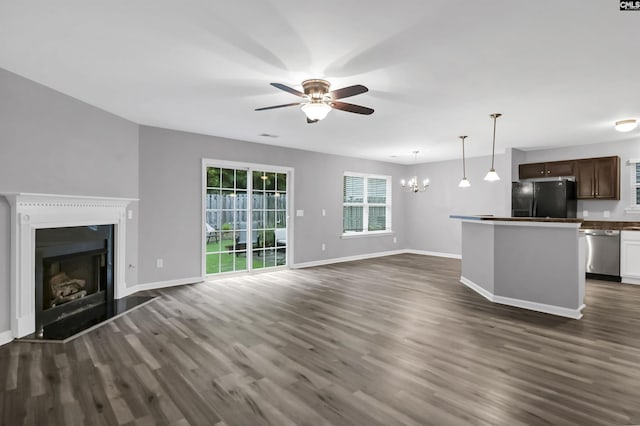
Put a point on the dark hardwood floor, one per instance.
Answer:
(387, 341)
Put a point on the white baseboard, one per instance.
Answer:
(434, 253)
(171, 283)
(541, 307)
(6, 337)
(162, 284)
(346, 259)
(374, 255)
(627, 280)
(475, 287)
(525, 304)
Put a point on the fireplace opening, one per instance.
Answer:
(74, 272)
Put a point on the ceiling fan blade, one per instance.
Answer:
(346, 92)
(277, 106)
(288, 89)
(309, 121)
(358, 109)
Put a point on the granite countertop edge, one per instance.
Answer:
(619, 225)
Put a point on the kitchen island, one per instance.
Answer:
(531, 263)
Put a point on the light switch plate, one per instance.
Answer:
(607, 213)
(299, 213)
(585, 213)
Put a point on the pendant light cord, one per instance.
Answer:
(493, 150)
(464, 169)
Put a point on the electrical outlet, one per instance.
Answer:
(607, 213)
(395, 240)
(324, 212)
(130, 214)
(324, 246)
(585, 213)
(159, 263)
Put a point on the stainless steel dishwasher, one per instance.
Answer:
(603, 253)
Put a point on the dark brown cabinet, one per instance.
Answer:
(560, 168)
(551, 169)
(532, 170)
(598, 178)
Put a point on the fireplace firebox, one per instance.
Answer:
(74, 272)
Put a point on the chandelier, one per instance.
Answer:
(412, 185)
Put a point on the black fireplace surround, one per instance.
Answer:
(74, 272)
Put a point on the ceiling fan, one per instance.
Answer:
(318, 100)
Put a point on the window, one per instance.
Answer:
(635, 187)
(366, 204)
(636, 184)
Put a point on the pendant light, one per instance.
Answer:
(464, 183)
(492, 176)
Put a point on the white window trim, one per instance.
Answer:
(634, 208)
(388, 205)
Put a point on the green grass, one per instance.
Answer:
(223, 261)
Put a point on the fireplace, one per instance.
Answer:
(73, 271)
(75, 268)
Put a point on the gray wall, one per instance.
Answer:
(544, 270)
(626, 150)
(51, 143)
(171, 200)
(430, 228)
(478, 253)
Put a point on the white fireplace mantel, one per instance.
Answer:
(37, 211)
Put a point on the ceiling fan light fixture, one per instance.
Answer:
(318, 100)
(316, 110)
(626, 125)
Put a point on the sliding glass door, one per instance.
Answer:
(243, 232)
(269, 206)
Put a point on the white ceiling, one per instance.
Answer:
(560, 72)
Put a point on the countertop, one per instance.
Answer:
(619, 225)
(516, 219)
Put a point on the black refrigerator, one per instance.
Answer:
(556, 198)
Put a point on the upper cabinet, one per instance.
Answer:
(596, 178)
(532, 170)
(561, 168)
(551, 169)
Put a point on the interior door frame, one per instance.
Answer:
(250, 167)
